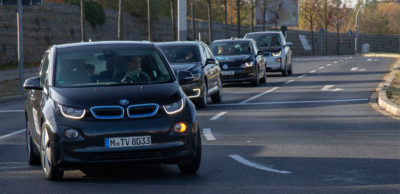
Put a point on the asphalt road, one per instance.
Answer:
(312, 132)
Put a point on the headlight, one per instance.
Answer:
(174, 107)
(196, 76)
(248, 64)
(277, 54)
(70, 112)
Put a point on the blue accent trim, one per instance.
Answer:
(107, 117)
(142, 115)
(107, 142)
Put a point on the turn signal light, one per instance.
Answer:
(180, 127)
(278, 60)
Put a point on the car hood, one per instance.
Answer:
(184, 66)
(232, 58)
(270, 48)
(86, 97)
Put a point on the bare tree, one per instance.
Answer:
(275, 8)
(148, 20)
(193, 24)
(252, 5)
(238, 17)
(83, 20)
(226, 18)
(339, 12)
(265, 7)
(308, 12)
(173, 19)
(209, 21)
(120, 19)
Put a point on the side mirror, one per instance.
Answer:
(32, 83)
(260, 53)
(289, 43)
(210, 61)
(185, 76)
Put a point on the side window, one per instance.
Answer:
(209, 53)
(202, 53)
(43, 69)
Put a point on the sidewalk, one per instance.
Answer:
(14, 74)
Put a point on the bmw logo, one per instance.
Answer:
(124, 102)
(225, 66)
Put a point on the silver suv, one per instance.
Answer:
(277, 52)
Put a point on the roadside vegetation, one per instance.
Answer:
(9, 88)
(393, 92)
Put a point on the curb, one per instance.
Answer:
(12, 98)
(382, 99)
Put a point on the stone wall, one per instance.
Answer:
(53, 23)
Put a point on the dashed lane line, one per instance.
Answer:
(258, 95)
(290, 81)
(313, 71)
(301, 76)
(207, 133)
(321, 67)
(241, 160)
(295, 102)
(328, 64)
(217, 116)
(11, 111)
(11, 134)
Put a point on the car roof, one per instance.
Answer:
(182, 43)
(234, 40)
(79, 44)
(265, 32)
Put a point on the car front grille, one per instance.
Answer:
(107, 112)
(142, 110)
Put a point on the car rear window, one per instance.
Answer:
(181, 53)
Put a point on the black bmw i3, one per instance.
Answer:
(109, 102)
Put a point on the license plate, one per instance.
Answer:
(228, 73)
(118, 142)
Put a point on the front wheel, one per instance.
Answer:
(284, 70)
(31, 149)
(290, 69)
(256, 81)
(217, 97)
(51, 171)
(202, 102)
(193, 165)
(264, 78)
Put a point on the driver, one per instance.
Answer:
(189, 56)
(134, 71)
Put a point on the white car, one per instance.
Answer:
(278, 54)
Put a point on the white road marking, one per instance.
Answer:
(354, 69)
(328, 64)
(11, 111)
(11, 134)
(301, 76)
(361, 69)
(258, 95)
(217, 116)
(328, 88)
(290, 81)
(207, 133)
(321, 67)
(335, 62)
(313, 71)
(295, 102)
(241, 160)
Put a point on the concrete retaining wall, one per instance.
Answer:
(53, 23)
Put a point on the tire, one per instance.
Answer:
(264, 78)
(202, 102)
(217, 97)
(284, 70)
(193, 165)
(51, 172)
(256, 82)
(290, 69)
(31, 149)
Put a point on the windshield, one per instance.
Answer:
(265, 40)
(117, 66)
(181, 54)
(231, 48)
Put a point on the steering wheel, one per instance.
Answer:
(136, 77)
